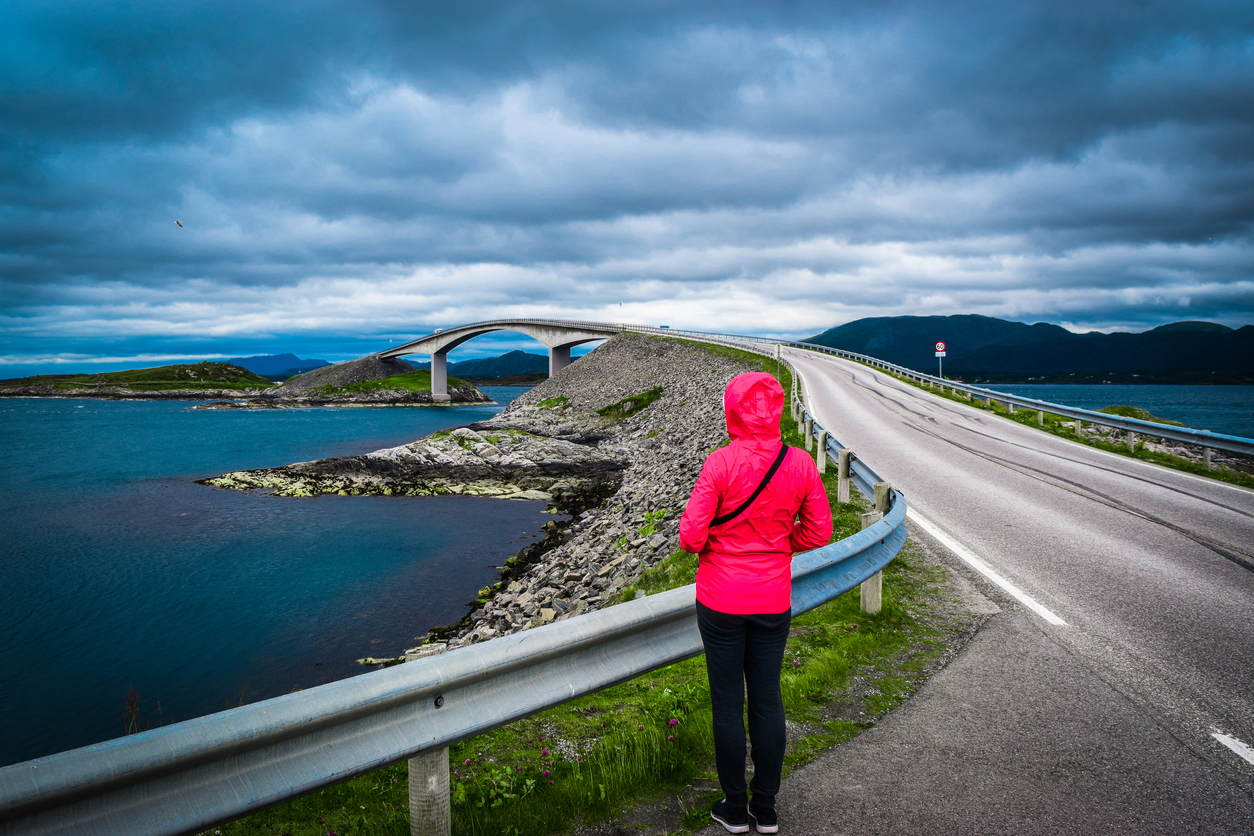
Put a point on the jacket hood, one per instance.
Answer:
(754, 403)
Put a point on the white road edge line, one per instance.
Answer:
(1235, 745)
(982, 567)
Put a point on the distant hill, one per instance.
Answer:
(981, 347)
(515, 364)
(280, 366)
(507, 365)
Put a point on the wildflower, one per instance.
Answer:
(674, 722)
(544, 751)
(542, 737)
(670, 737)
(550, 782)
(797, 664)
(546, 773)
(639, 728)
(579, 759)
(466, 762)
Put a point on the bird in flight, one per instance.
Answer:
(180, 223)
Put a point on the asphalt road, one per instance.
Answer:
(1105, 723)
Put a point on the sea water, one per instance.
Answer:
(1222, 409)
(119, 575)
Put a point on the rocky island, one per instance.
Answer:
(367, 381)
(614, 442)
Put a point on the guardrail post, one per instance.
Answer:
(873, 587)
(1040, 417)
(842, 475)
(1206, 463)
(1079, 425)
(429, 812)
(820, 452)
(1131, 439)
(1010, 407)
(809, 428)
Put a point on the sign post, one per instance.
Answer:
(940, 362)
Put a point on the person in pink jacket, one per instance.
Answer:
(744, 586)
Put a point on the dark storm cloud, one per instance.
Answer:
(374, 167)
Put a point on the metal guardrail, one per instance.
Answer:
(189, 776)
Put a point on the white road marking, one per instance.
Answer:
(1235, 745)
(1151, 466)
(983, 568)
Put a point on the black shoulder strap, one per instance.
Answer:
(783, 451)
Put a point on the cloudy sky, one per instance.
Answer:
(349, 174)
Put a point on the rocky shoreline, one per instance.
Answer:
(615, 442)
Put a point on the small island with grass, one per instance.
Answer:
(367, 381)
(183, 381)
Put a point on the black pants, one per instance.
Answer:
(740, 651)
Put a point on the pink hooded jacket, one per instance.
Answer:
(746, 563)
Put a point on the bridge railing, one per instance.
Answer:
(190, 776)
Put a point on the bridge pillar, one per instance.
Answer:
(439, 377)
(559, 358)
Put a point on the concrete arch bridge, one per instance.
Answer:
(558, 335)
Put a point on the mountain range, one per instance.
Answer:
(278, 366)
(982, 348)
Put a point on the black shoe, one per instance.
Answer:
(764, 819)
(736, 820)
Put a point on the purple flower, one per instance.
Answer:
(579, 759)
(639, 728)
(797, 664)
(550, 782)
(674, 722)
(466, 762)
(544, 751)
(670, 737)
(546, 773)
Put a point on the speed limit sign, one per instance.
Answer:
(940, 346)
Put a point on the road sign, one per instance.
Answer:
(940, 346)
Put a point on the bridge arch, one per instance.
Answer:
(558, 335)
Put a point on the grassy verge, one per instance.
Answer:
(602, 754)
(1065, 428)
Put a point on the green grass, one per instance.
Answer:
(650, 736)
(1065, 428)
(417, 381)
(560, 402)
(204, 375)
(630, 406)
(1139, 414)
